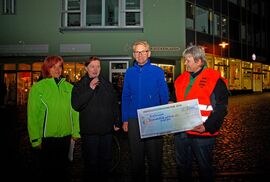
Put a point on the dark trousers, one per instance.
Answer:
(202, 148)
(54, 159)
(97, 155)
(149, 147)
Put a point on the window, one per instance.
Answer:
(101, 14)
(217, 26)
(234, 29)
(243, 3)
(117, 74)
(221, 64)
(233, 1)
(202, 20)
(8, 7)
(224, 27)
(189, 16)
(255, 7)
(9, 66)
(243, 32)
(235, 74)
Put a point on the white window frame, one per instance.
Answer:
(121, 17)
(65, 12)
(117, 70)
(8, 7)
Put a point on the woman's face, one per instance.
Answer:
(56, 70)
(93, 68)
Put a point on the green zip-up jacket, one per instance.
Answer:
(50, 113)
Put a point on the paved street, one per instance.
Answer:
(241, 152)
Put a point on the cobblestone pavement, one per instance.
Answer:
(241, 152)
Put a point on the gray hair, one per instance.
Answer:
(197, 52)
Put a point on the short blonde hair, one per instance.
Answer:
(141, 42)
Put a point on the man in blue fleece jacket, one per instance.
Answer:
(144, 86)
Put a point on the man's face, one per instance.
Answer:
(93, 69)
(191, 65)
(141, 54)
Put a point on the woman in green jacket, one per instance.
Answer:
(52, 122)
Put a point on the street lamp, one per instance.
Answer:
(253, 56)
(223, 44)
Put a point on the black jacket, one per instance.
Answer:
(99, 109)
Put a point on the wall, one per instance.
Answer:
(38, 21)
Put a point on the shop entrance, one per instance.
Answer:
(10, 79)
(23, 87)
(18, 86)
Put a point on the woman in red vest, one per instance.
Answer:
(206, 85)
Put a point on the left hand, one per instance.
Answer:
(200, 128)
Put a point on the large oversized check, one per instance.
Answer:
(169, 118)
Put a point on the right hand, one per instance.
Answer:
(38, 147)
(125, 126)
(94, 83)
(116, 128)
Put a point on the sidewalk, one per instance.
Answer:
(241, 152)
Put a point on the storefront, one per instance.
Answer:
(243, 77)
(19, 77)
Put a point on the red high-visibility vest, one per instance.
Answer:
(201, 89)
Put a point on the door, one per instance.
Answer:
(257, 82)
(11, 84)
(117, 74)
(23, 87)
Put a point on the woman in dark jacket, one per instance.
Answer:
(96, 101)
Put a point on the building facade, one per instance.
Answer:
(77, 29)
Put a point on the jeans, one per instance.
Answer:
(187, 146)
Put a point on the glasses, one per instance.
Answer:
(141, 52)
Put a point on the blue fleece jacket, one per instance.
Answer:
(144, 86)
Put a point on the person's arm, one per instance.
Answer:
(34, 112)
(125, 102)
(76, 124)
(81, 96)
(219, 100)
(116, 110)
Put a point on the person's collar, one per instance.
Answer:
(57, 80)
(198, 72)
(141, 66)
